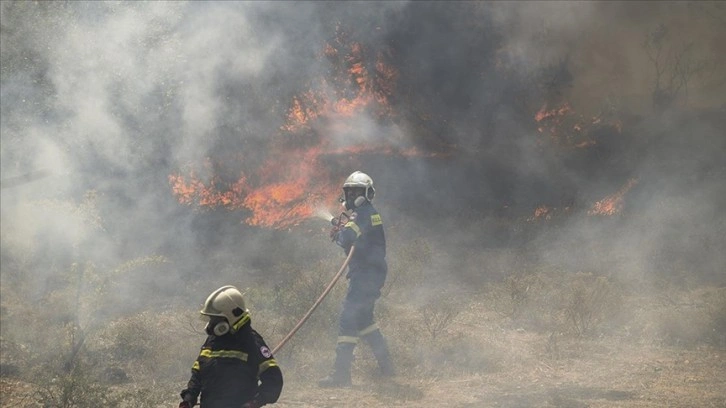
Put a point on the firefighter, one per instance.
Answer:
(235, 368)
(366, 275)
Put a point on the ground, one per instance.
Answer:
(613, 376)
(662, 351)
(600, 373)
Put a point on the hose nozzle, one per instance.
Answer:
(340, 220)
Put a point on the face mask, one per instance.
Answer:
(217, 326)
(353, 198)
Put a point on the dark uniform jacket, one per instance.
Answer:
(365, 230)
(228, 368)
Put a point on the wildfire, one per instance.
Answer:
(546, 213)
(612, 204)
(280, 202)
(541, 212)
(566, 128)
(291, 185)
(283, 205)
(356, 87)
(556, 113)
(191, 190)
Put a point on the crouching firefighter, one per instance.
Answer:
(366, 275)
(235, 368)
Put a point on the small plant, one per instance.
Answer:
(437, 319)
(75, 389)
(590, 298)
(406, 264)
(516, 293)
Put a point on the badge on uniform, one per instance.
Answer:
(265, 352)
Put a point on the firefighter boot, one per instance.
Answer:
(340, 377)
(379, 346)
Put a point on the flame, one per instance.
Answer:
(356, 88)
(555, 113)
(290, 190)
(191, 190)
(569, 129)
(294, 184)
(612, 204)
(541, 212)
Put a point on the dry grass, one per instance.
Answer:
(540, 337)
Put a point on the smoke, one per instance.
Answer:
(114, 97)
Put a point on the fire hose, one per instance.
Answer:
(317, 302)
(322, 296)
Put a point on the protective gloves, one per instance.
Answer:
(334, 232)
(188, 400)
(251, 404)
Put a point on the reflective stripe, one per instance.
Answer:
(368, 330)
(354, 227)
(223, 354)
(195, 366)
(348, 339)
(376, 219)
(265, 365)
(241, 322)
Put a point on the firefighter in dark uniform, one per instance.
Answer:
(366, 275)
(235, 368)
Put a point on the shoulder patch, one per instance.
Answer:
(265, 352)
(376, 219)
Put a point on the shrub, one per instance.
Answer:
(591, 301)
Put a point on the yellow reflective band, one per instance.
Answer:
(241, 322)
(376, 219)
(348, 339)
(354, 227)
(195, 366)
(368, 330)
(265, 365)
(223, 354)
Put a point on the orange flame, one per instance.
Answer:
(283, 198)
(541, 212)
(191, 190)
(612, 204)
(566, 128)
(293, 183)
(555, 113)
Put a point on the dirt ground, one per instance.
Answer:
(612, 377)
(497, 365)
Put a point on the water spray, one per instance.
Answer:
(324, 214)
(337, 222)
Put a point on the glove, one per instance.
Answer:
(251, 404)
(185, 404)
(334, 232)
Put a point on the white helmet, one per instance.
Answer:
(360, 180)
(228, 306)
